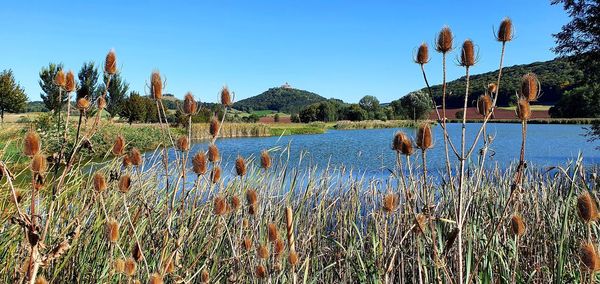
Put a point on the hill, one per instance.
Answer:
(281, 99)
(556, 77)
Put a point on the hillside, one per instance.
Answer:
(556, 76)
(281, 99)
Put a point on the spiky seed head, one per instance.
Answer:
(199, 163)
(110, 64)
(424, 139)
(124, 183)
(523, 109)
(240, 166)
(130, 266)
(135, 156)
(183, 143)
(517, 225)
(530, 87)
(156, 278)
(586, 207)
(101, 103)
(261, 271)
(83, 104)
(279, 247)
(215, 174)
(126, 161)
(420, 223)
(204, 276)
(213, 153)
(407, 146)
(31, 144)
(70, 84)
(505, 32)
(272, 232)
(38, 163)
(235, 202)
(156, 85)
(589, 257)
(484, 104)
(60, 79)
(189, 104)
(251, 196)
(41, 280)
(136, 252)
(112, 228)
(397, 141)
(293, 258)
(262, 251)
(225, 96)
(422, 54)
(492, 88)
(214, 127)
(99, 182)
(467, 54)
(247, 243)
(252, 209)
(119, 265)
(390, 201)
(443, 43)
(265, 160)
(219, 205)
(119, 146)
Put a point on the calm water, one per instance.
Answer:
(368, 151)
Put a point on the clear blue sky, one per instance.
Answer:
(342, 49)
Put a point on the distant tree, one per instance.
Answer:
(36, 106)
(88, 81)
(276, 117)
(355, 113)
(117, 95)
(370, 104)
(309, 114)
(295, 118)
(135, 108)
(583, 101)
(50, 97)
(151, 110)
(12, 95)
(416, 105)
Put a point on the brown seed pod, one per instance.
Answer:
(420, 223)
(214, 127)
(199, 163)
(424, 140)
(247, 243)
(189, 104)
(135, 156)
(293, 258)
(530, 87)
(252, 209)
(119, 146)
(213, 153)
(60, 79)
(83, 104)
(586, 207)
(422, 54)
(492, 88)
(523, 109)
(136, 252)
(397, 141)
(505, 32)
(219, 205)
(155, 278)
(126, 161)
(390, 201)
(240, 166)
(443, 43)
(225, 96)
(130, 267)
(70, 84)
(41, 280)
(204, 276)
(101, 103)
(272, 232)
(467, 54)
(19, 197)
(112, 229)
(265, 160)
(183, 143)
(38, 163)
(279, 247)
(251, 196)
(235, 202)
(407, 147)
(589, 257)
(156, 85)
(245, 223)
(31, 144)
(215, 174)
(119, 265)
(124, 183)
(261, 271)
(110, 64)
(262, 251)
(517, 225)
(99, 182)
(484, 104)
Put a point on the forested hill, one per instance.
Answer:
(556, 76)
(282, 99)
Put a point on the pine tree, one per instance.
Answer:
(12, 96)
(88, 81)
(50, 97)
(117, 94)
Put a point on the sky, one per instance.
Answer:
(341, 49)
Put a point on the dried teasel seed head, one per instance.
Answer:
(135, 156)
(420, 223)
(424, 139)
(279, 247)
(422, 54)
(215, 174)
(407, 147)
(492, 88)
(225, 96)
(505, 32)
(119, 265)
(124, 183)
(130, 267)
(213, 153)
(126, 161)
(240, 166)
(265, 160)
(41, 280)
(219, 205)
(214, 127)
(398, 140)
(204, 276)
(70, 84)
(155, 278)
(517, 225)
(523, 109)
(247, 243)
(101, 103)
(235, 202)
(586, 207)
(252, 209)
(183, 143)
(136, 252)
(261, 271)
(83, 104)
(390, 201)
(60, 79)
(251, 196)
(156, 85)
(199, 163)
(484, 104)
(99, 182)
(119, 146)
(31, 144)
(589, 257)
(110, 64)
(262, 251)
(272, 232)
(189, 104)
(467, 54)
(530, 87)
(112, 230)
(443, 43)
(293, 258)
(38, 163)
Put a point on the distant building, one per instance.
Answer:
(286, 86)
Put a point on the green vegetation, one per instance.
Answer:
(280, 99)
(12, 95)
(278, 129)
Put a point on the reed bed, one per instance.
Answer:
(232, 130)
(371, 124)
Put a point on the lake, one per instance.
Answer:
(369, 151)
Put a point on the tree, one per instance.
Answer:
(370, 104)
(416, 105)
(276, 117)
(355, 113)
(50, 97)
(12, 95)
(151, 110)
(295, 118)
(135, 108)
(88, 81)
(117, 94)
(583, 101)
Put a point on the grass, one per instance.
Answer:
(533, 108)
